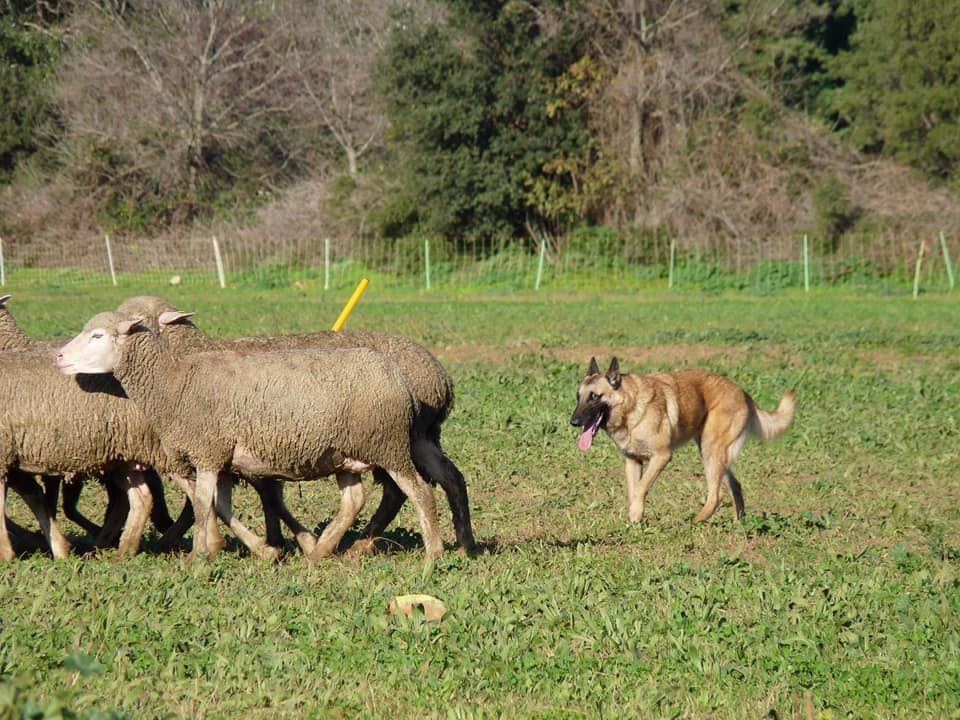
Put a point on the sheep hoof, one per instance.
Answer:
(319, 553)
(125, 552)
(197, 557)
(61, 550)
(363, 546)
(307, 542)
(268, 553)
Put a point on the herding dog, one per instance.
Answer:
(650, 416)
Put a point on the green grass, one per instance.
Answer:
(841, 588)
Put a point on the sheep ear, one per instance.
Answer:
(171, 317)
(3, 300)
(594, 369)
(613, 374)
(125, 327)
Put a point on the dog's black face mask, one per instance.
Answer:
(591, 414)
(592, 409)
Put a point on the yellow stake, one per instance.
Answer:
(351, 304)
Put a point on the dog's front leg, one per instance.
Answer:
(634, 499)
(640, 480)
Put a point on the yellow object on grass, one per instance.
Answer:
(351, 304)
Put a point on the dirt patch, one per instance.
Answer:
(893, 359)
(669, 356)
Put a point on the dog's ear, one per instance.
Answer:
(594, 369)
(613, 374)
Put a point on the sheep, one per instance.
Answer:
(43, 430)
(292, 415)
(13, 338)
(430, 384)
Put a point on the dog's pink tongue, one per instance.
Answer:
(586, 439)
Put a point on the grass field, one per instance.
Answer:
(838, 596)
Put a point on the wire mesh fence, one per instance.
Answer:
(589, 260)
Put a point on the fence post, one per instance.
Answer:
(113, 275)
(806, 263)
(426, 261)
(219, 262)
(326, 263)
(943, 245)
(543, 251)
(673, 253)
(916, 274)
(3, 270)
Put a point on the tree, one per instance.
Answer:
(338, 43)
(901, 91)
(789, 45)
(29, 50)
(475, 120)
(169, 106)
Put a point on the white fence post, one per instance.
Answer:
(806, 264)
(219, 261)
(943, 246)
(426, 260)
(3, 271)
(326, 263)
(113, 275)
(916, 274)
(543, 252)
(673, 253)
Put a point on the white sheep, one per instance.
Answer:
(71, 461)
(429, 383)
(293, 415)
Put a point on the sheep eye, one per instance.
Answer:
(96, 335)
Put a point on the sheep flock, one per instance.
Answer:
(141, 400)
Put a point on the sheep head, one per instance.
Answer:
(98, 348)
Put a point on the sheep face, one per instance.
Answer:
(98, 348)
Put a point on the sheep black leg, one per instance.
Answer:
(177, 531)
(118, 509)
(29, 538)
(51, 493)
(390, 504)
(271, 497)
(439, 469)
(275, 509)
(71, 500)
(223, 506)
(160, 514)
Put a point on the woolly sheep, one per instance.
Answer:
(293, 415)
(11, 336)
(430, 384)
(112, 474)
(50, 425)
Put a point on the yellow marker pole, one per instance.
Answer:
(351, 304)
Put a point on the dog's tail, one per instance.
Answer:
(768, 425)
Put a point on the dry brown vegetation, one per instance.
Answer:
(691, 144)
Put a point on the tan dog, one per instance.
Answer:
(650, 416)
